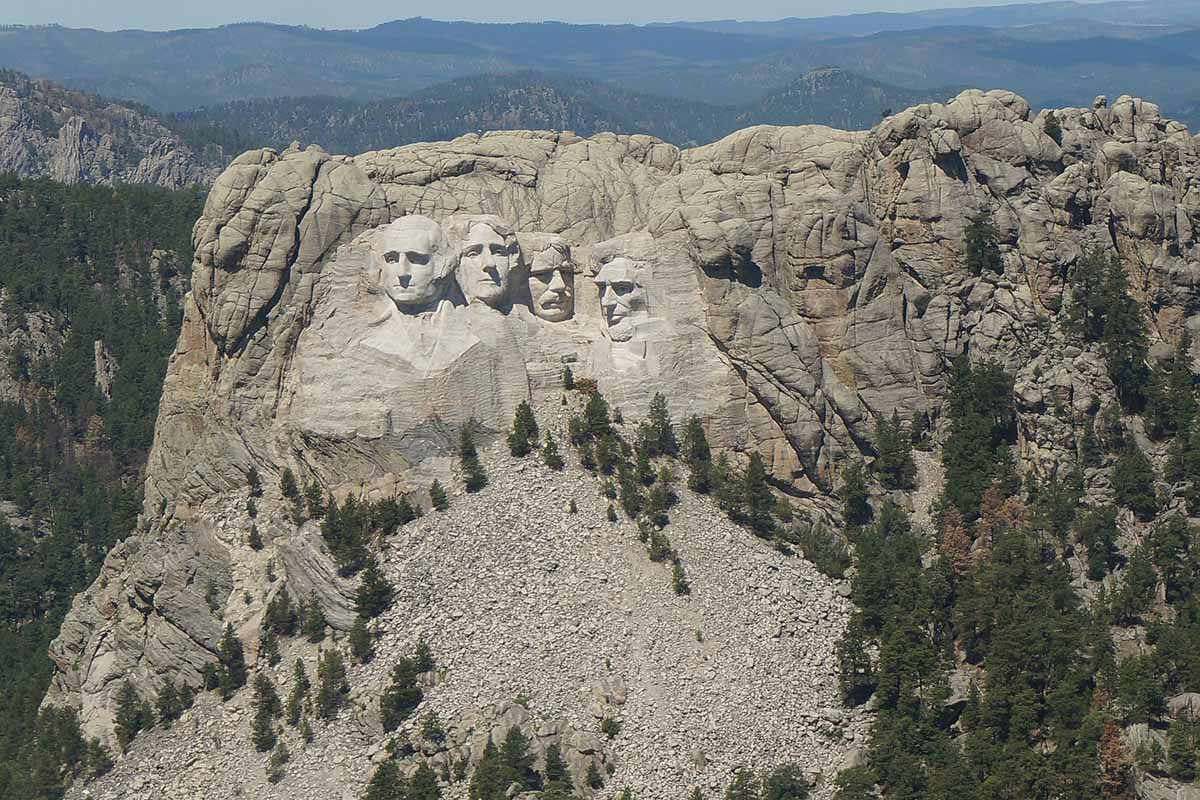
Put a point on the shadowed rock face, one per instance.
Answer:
(792, 284)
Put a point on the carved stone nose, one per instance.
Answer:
(557, 284)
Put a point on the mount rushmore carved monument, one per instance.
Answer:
(348, 315)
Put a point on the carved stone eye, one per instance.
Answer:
(417, 258)
(391, 256)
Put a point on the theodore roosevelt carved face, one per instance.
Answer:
(414, 262)
(488, 255)
(552, 279)
(622, 297)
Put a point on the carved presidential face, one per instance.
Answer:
(552, 283)
(413, 259)
(487, 259)
(622, 297)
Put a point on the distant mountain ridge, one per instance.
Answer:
(1052, 54)
(531, 100)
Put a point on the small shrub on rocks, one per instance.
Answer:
(610, 727)
(275, 764)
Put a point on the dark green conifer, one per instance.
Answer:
(982, 243)
(568, 379)
(332, 687)
(362, 643)
(168, 704)
(232, 673)
(474, 477)
(524, 434)
(550, 455)
(374, 595)
(312, 620)
(300, 686)
(387, 783)
(401, 696)
(437, 496)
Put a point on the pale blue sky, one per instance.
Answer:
(167, 14)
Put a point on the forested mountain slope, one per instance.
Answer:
(92, 279)
(543, 101)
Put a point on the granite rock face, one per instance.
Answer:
(72, 137)
(788, 285)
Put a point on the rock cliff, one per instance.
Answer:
(788, 285)
(72, 137)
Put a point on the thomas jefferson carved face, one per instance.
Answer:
(552, 282)
(413, 258)
(487, 258)
(622, 297)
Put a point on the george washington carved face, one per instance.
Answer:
(622, 297)
(414, 261)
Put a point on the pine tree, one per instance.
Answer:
(131, 715)
(1133, 482)
(982, 243)
(556, 767)
(568, 379)
(288, 486)
(492, 776)
(473, 475)
(281, 617)
(856, 675)
(300, 686)
(332, 687)
(592, 777)
(268, 646)
(374, 595)
(254, 482)
(97, 760)
(856, 509)
(1124, 339)
(514, 751)
(595, 417)
(423, 785)
(1090, 452)
(758, 501)
(168, 704)
(550, 455)
(255, 539)
(312, 620)
(661, 439)
(386, 783)
(314, 500)
(232, 675)
(1181, 748)
(362, 643)
(608, 454)
(275, 764)
(402, 696)
(266, 709)
(785, 782)
(894, 465)
(437, 496)
(744, 786)
(524, 434)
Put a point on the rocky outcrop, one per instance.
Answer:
(71, 137)
(787, 285)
